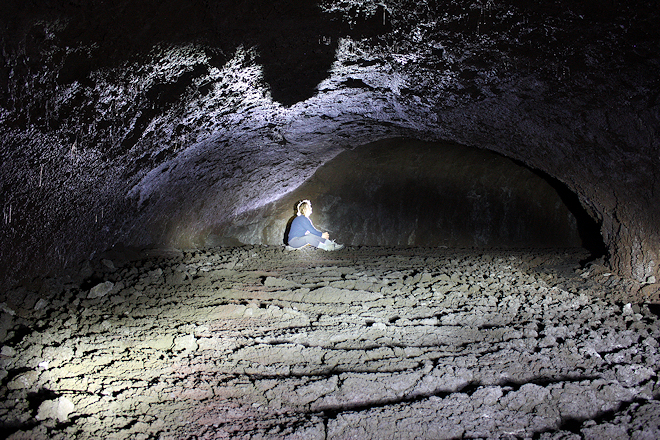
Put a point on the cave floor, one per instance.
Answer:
(259, 342)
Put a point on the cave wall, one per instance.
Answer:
(151, 123)
(399, 192)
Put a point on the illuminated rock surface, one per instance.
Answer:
(158, 123)
(257, 342)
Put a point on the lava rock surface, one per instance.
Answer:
(259, 342)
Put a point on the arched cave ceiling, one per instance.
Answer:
(150, 122)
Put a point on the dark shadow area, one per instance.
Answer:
(655, 309)
(285, 238)
(37, 398)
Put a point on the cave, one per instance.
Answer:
(470, 155)
(399, 192)
(125, 125)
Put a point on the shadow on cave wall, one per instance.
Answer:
(588, 228)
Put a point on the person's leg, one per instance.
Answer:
(329, 245)
(311, 239)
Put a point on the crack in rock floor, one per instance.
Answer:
(257, 342)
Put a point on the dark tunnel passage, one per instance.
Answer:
(402, 192)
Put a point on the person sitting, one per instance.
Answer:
(303, 232)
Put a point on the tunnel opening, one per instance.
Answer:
(403, 192)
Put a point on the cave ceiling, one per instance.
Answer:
(147, 122)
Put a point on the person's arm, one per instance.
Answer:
(312, 230)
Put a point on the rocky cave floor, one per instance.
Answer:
(259, 342)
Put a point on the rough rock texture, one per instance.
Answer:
(404, 193)
(260, 343)
(142, 122)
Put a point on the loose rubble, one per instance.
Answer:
(257, 342)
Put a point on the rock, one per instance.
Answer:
(262, 359)
(4, 308)
(86, 270)
(57, 356)
(280, 282)
(6, 323)
(176, 278)
(633, 375)
(37, 433)
(188, 343)
(59, 409)
(488, 395)
(650, 292)
(606, 430)
(165, 342)
(430, 321)
(23, 381)
(100, 290)
(155, 274)
(627, 309)
(117, 299)
(109, 264)
(41, 304)
(7, 351)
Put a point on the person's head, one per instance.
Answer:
(305, 208)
